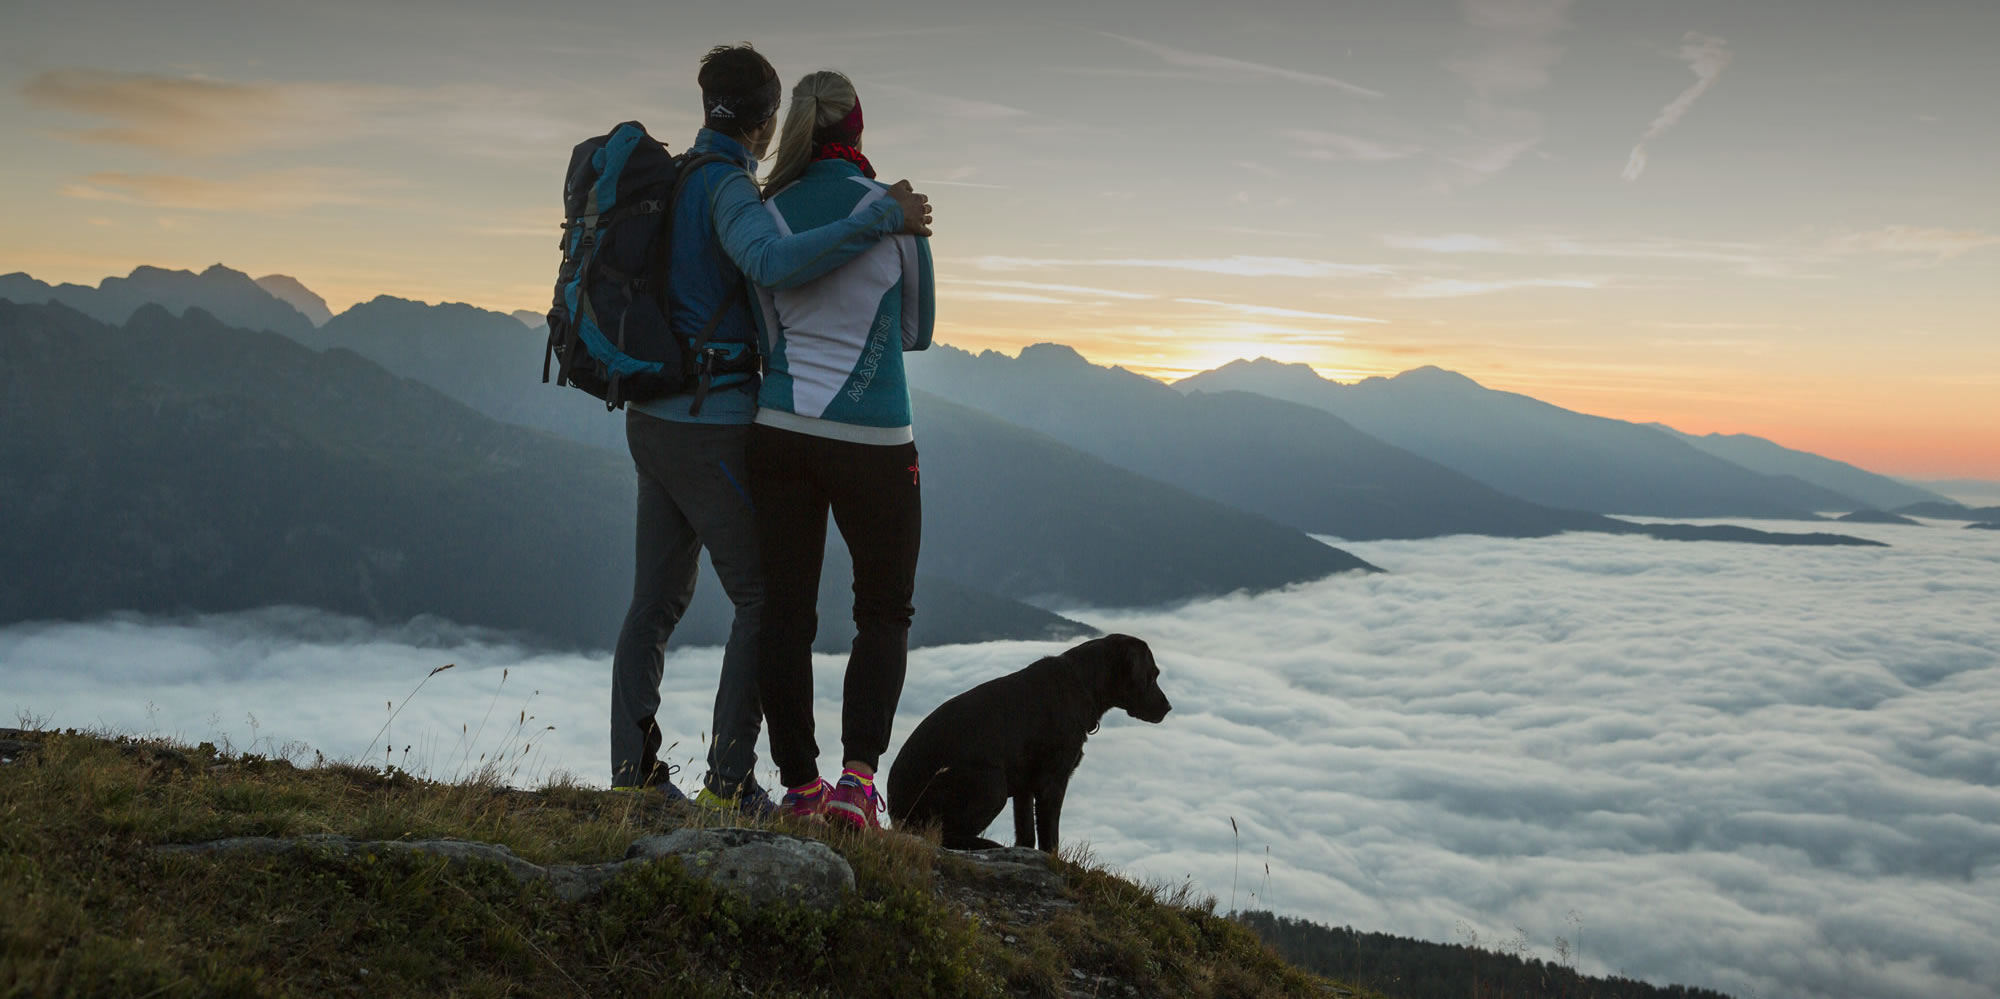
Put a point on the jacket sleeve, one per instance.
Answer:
(919, 292)
(751, 238)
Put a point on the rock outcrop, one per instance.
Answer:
(759, 866)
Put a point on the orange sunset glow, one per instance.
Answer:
(1649, 230)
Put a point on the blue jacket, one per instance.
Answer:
(833, 347)
(723, 235)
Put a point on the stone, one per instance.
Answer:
(757, 865)
(1020, 867)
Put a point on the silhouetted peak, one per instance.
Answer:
(390, 305)
(149, 314)
(147, 272)
(1049, 355)
(1432, 376)
(218, 271)
(293, 292)
(384, 305)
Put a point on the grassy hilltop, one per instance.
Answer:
(89, 906)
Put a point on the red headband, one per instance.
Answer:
(843, 132)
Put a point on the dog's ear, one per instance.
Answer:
(1140, 669)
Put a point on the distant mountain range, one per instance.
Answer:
(988, 485)
(1296, 464)
(1972, 492)
(1757, 454)
(1951, 511)
(1083, 511)
(1875, 517)
(177, 464)
(1539, 452)
(486, 360)
(226, 294)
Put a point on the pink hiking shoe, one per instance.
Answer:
(807, 801)
(854, 801)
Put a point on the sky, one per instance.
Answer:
(1772, 772)
(1773, 217)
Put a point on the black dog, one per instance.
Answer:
(1020, 737)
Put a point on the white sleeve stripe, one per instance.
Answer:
(767, 304)
(876, 192)
(784, 228)
(912, 290)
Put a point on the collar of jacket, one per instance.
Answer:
(709, 140)
(832, 168)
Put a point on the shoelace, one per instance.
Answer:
(819, 790)
(873, 795)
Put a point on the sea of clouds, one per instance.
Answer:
(1769, 771)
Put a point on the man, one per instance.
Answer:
(689, 448)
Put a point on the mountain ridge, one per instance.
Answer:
(275, 474)
(1533, 449)
(1296, 464)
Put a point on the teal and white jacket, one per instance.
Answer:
(833, 347)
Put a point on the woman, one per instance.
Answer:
(833, 433)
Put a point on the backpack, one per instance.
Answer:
(609, 332)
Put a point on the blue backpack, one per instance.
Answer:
(609, 333)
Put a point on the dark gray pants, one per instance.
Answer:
(692, 494)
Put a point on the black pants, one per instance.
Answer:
(872, 491)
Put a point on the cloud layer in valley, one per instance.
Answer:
(1757, 770)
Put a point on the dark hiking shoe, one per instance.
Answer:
(661, 780)
(752, 801)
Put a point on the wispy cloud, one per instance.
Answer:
(1706, 326)
(962, 108)
(173, 114)
(1513, 56)
(1938, 244)
(1240, 68)
(1065, 289)
(1277, 312)
(1707, 56)
(1516, 50)
(1463, 287)
(1239, 266)
(276, 192)
(1011, 297)
(1251, 166)
(1793, 257)
(1322, 145)
(1709, 251)
(204, 116)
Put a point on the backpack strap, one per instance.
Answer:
(703, 357)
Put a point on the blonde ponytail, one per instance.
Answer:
(821, 98)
